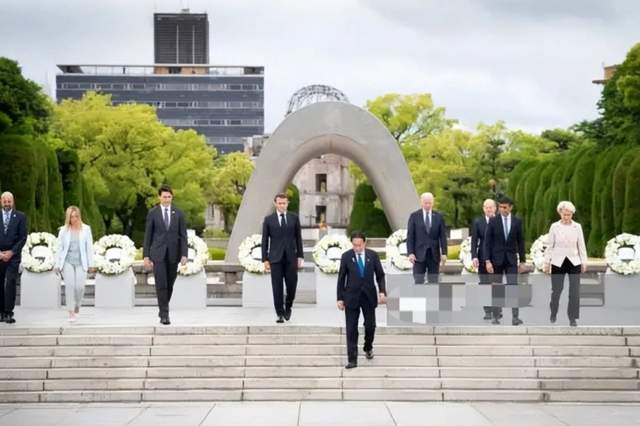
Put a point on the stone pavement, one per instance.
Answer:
(319, 413)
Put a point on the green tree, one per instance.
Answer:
(125, 154)
(231, 175)
(365, 217)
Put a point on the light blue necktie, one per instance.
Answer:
(6, 220)
(361, 265)
(506, 228)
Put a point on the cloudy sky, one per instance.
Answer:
(528, 62)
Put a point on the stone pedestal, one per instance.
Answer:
(326, 289)
(190, 292)
(115, 291)
(40, 290)
(256, 290)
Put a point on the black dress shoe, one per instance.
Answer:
(165, 321)
(9, 319)
(2, 318)
(495, 321)
(516, 321)
(573, 323)
(280, 319)
(351, 365)
(369, 354)
(487, 316)
(552, 318)
(287, 314)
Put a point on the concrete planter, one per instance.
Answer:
(256, 290)
(115, 291)
(326, 289)
(40, 290)
(190, 292)
(621, 291)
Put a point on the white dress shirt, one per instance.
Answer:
(565, 241)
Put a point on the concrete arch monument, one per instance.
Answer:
(325, 128)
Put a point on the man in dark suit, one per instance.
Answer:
(357, 291)
(477, 241)
(165, 244)
(282, 254)
(426, 241)
(13, 236)
(504, 251)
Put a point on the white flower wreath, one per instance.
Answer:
(197, 257)
(536, 253)
(396, 250)
(113, 254)
(328, 251)
(465, 256)
(39, 252)
(250, 254)
(622, 254)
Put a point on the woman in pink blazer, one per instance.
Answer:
(566, 254)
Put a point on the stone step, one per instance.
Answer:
(592, 396)
(493, 395)
(589, 384)
(93, 384)
(21, 385)
(292, 394)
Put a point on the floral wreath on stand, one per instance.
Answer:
(536, 253)
(622, 254)
(250, 254)
(396, 250)
(328, 251)
(39, 252)
(198, 255)
(114, 254)
(465, 256)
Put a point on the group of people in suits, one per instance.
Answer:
(497, 249)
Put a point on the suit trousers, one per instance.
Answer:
(8, 278)
(352, 316)
(557, 285)
(74, 280)
(485, 278)
(430, 267)
(284, 274)
(511, 271)
(164, 273)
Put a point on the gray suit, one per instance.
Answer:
(165, 247)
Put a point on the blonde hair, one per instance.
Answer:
(566, 205)
(67, 216)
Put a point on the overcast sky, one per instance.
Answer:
(527, 62)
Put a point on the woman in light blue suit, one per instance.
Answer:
(74, 258)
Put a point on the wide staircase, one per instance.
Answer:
(86, 364)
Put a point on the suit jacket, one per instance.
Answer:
(418, 240)
(350, 285)
(85, 240)
(278, 240)
(16, 235)
(565, 242)
(478, 230)
(160, 241)
(500, 251)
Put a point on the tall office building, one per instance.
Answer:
(181, 38)
(223, 103)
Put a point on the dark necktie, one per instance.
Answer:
(166, 218)
(282, 221)
(506, 228)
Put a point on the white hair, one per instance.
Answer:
(6, 194)
(490, 200)
(426, 195)
(566, 205)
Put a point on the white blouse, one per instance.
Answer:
(565, 242)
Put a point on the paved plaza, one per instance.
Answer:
(320, 414)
